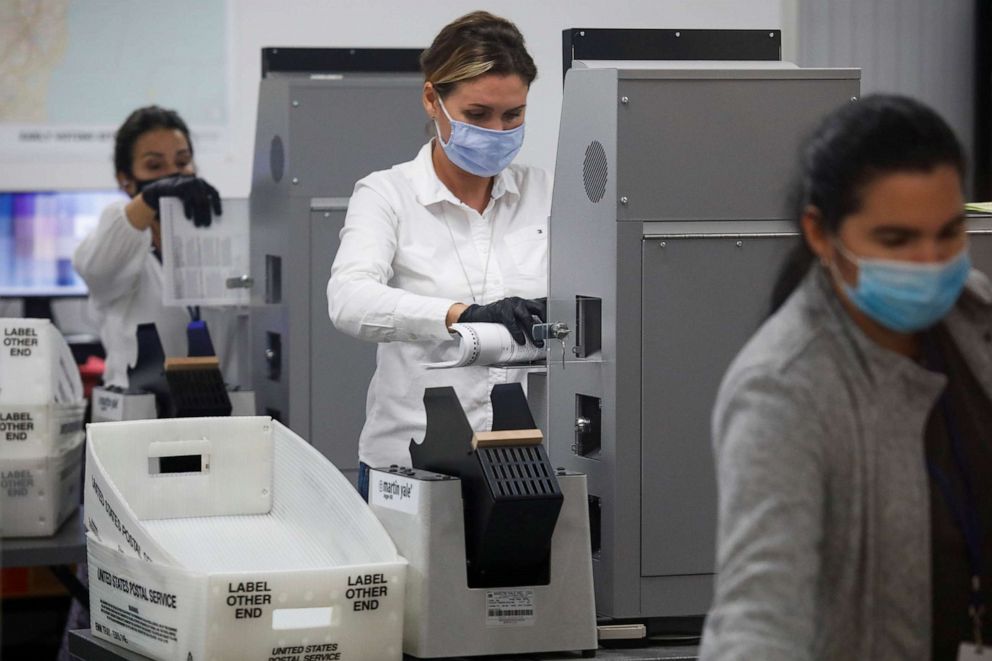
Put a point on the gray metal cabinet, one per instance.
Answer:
(315, 137)
(669, 215)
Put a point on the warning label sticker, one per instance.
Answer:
(509, 608)
(130, 619)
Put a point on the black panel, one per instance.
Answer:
(510, 408)
(654, 44)
(273, 279)
(510, 495)
(447, 440)
(595, 523)
(148, 372)
(512, 502)
(588, 326)
(304, 61)
(198, 393)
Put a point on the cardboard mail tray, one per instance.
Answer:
(233, 538)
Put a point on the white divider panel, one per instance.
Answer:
(234, 476)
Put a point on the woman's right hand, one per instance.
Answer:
(139, 214)
(198, 197)
(142, 217)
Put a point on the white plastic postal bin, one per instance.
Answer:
(36, 365)
(233, 538)
(41, 429)
(37, 494)
(41, 393)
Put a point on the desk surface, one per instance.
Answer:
(66, 547)
(85, 647)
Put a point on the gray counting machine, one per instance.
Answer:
(497, 540)
(668, 227)
(326, 118)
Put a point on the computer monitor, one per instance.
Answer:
(38, 233)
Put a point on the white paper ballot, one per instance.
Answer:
(197, 261)
(487, 344)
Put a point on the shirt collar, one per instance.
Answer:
(429, 189)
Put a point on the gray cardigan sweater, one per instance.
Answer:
(824, 521)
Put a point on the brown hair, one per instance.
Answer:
(476, 44)
(138, 123)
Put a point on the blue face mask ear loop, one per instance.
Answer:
(437, 127)
(835, 271)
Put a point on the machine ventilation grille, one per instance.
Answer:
(595, 171)
(519, 471)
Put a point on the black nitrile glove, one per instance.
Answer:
(516, 313)
(197, 195)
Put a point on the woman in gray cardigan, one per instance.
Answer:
(853, 433)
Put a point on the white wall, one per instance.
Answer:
(399, 23)
(920, 48)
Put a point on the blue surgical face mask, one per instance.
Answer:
(906, 297)
(482, 152)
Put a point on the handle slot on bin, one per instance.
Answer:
(174, 458)
(179, 464)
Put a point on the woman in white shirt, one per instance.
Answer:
(456, 234)
(121, 260)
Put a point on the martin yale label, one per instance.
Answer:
(394, 492)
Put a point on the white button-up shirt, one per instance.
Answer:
(125, 283)
(409, 251)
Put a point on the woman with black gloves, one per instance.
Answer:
(458, 234)
(121, 259)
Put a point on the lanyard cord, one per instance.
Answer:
(458, 255)
(965, 514)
